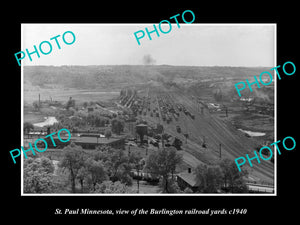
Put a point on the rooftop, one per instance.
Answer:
(189, 178)
(91, 140)
(100, 140)
(142, 125)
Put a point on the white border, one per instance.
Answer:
(152, 194)
(22, 113)
(275, 110)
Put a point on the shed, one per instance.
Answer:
(188, 179)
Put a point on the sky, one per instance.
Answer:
(190, 45)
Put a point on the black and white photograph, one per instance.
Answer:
(131, 109)
(149, 112)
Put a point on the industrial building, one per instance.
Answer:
(187, 180)
(86, 142)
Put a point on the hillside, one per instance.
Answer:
(93, 77)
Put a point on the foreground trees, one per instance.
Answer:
(117, 126)
(210, 178)
(93, 170)
(38, 175)
(27, 127)
(224, 176)
(96, 172)
(118, 165)
(108, 170)
(163, 163)
(233, 180)
(108, 187)
(73, 160)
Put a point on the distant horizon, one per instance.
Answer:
(143, 65)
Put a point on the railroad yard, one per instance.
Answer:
(206, 138)
(184, 107)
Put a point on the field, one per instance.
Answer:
(62, 95)
(215, 112)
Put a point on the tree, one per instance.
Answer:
(36, 106)
(117, 126)
(159, 128)
(95, 119)
(117, 164)
(73, 160)
(96, 172)
(81, 176)
(85, 104)
(27, 127)
(169, 185)
(163, 163)
(209, 178)
(38, 175)
(233, 179)
(107, 134)
(177, 143)
(141, 131)
(123, 174)
(70, 103)
(120, 167)
(111, 187)
(47, 164)
(136, 162)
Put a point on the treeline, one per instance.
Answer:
(107, 76)
(223, 177)
(84, 77)
(105, 164)
(80, 120)
(108, 170)
(105, 170)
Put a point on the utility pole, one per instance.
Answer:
(162, 141)
(204, 144)
(138, 179)
(147, 145)
(162, 137)
(186, 135)
(220, 151)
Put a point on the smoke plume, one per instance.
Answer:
(148, 60)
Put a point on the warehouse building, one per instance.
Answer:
(187, 180)
(86, 142)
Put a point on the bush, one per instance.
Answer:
(111, 187)
(38, 175)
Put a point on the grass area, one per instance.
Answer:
(63, 94)
(144, 187)
(34, 117)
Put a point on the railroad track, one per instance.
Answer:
(233, 143)
(216, 132)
